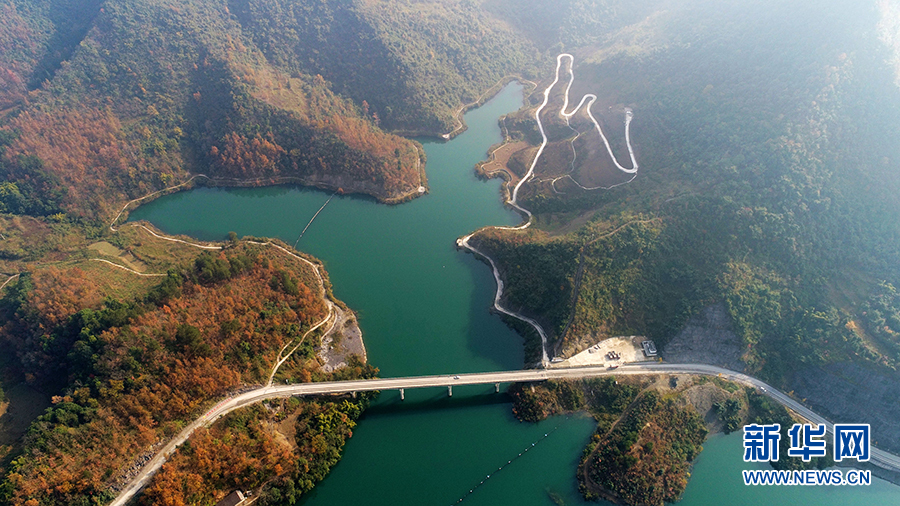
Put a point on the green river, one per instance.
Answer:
(423, 308)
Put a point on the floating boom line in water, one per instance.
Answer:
(510, 461)
(313, 219)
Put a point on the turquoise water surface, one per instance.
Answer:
(423, 308)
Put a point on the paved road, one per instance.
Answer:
(513, 200)
(879, 458)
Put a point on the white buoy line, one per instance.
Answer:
(513, 200)
(323, 294)
(508, 462)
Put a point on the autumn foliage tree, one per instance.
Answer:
(241, 157)
(132, 372)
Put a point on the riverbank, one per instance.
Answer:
(645, 423)
(330, 354)
(330, 185)
(458, 116)
(512, 200)
(195, 276)
(415, 294)
(632, 456)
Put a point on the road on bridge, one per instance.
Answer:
(878, 457)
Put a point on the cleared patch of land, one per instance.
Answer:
(627, 349)
(130, 261)
(499, 161)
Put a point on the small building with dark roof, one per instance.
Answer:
(233, 499)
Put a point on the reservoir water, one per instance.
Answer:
(423, 308)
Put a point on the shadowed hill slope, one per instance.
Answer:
(141, 93)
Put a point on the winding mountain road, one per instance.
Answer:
(879, 458)
(590, 98)
(463, 242)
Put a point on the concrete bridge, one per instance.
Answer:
(878, 457)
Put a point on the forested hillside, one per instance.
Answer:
(102, 102)
(768, 181)
(124, 97)
(766, 133)
(412, 63)
(130, 371)
(136, 95)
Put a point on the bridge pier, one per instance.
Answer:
(402, 395)
(353, 394)
(449, 390)
(496, 388)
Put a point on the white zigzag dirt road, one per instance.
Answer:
(879, 458)
(270, 391)
(463, 242)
